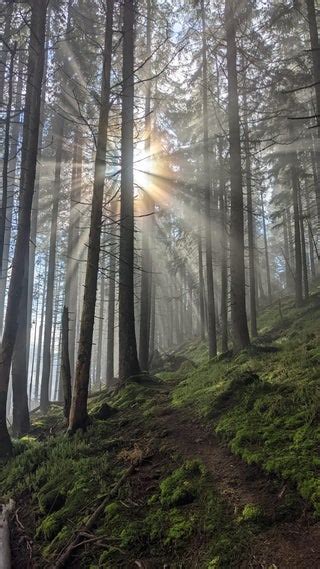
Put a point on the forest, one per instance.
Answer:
(160, 284)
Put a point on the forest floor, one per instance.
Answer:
(219, 460)
(293, 544)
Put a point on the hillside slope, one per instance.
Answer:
(160, 457)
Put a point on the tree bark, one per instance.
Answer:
(266, 248)
(224, 251)
(29, 157)
(78, 411)
(35, 204)
(20, 419)
(201, 282)
(72, 271)
(4, 54)
(251, 228)
(40, 336)
(310, 236)
(289, 279)
(146, 266)
(128, 360)
(240, 334)
(111, 300)
(100, 332)
(46, 357)
(6, 155)
(65, 363)
(297, 234)
(303, 248)
(153, 318)
(315, 47)
(212, 335)
(15, 133)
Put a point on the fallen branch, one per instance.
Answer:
(77, 539)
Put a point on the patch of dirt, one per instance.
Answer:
(282, 545)
(287, 546)
(238, 482)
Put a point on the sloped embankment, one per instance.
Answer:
(166, 509)
(171, 492)
(265, 403)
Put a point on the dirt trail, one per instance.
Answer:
(282, 545)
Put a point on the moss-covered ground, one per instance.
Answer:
(264, 403)
(167, 510)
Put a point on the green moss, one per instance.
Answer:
(51, 501)
(182, 486)
(49, 527)
(266, 403)
(180, 528)
(112, 510)
(251, 513)
(132, 395)
(130, 534)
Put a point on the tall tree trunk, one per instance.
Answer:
(146, 266)
(46, 363)
(212, 337)
(53, 355)
(297, 234)
(310, 236)
(100, 331)
(315, 45)
(289, 280)
(20, 417)
(266, 248)
(303, 248)
(153, 318)
(33, 359)
(111, 299)
(20, 360)
(6, 161)
(4, 51)
(315, 52)
(40, 336)
(251, 227)
(201, 283)
(35, 204)
(224, 251)
(128, 360)
(291, 243)
(240, 334)
(78, 411)
(65, 363)
(29, 158)
(15, 132)
(72, 271)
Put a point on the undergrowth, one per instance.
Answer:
(266, 402)
(167, 509)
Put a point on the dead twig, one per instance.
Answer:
(76, 540)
